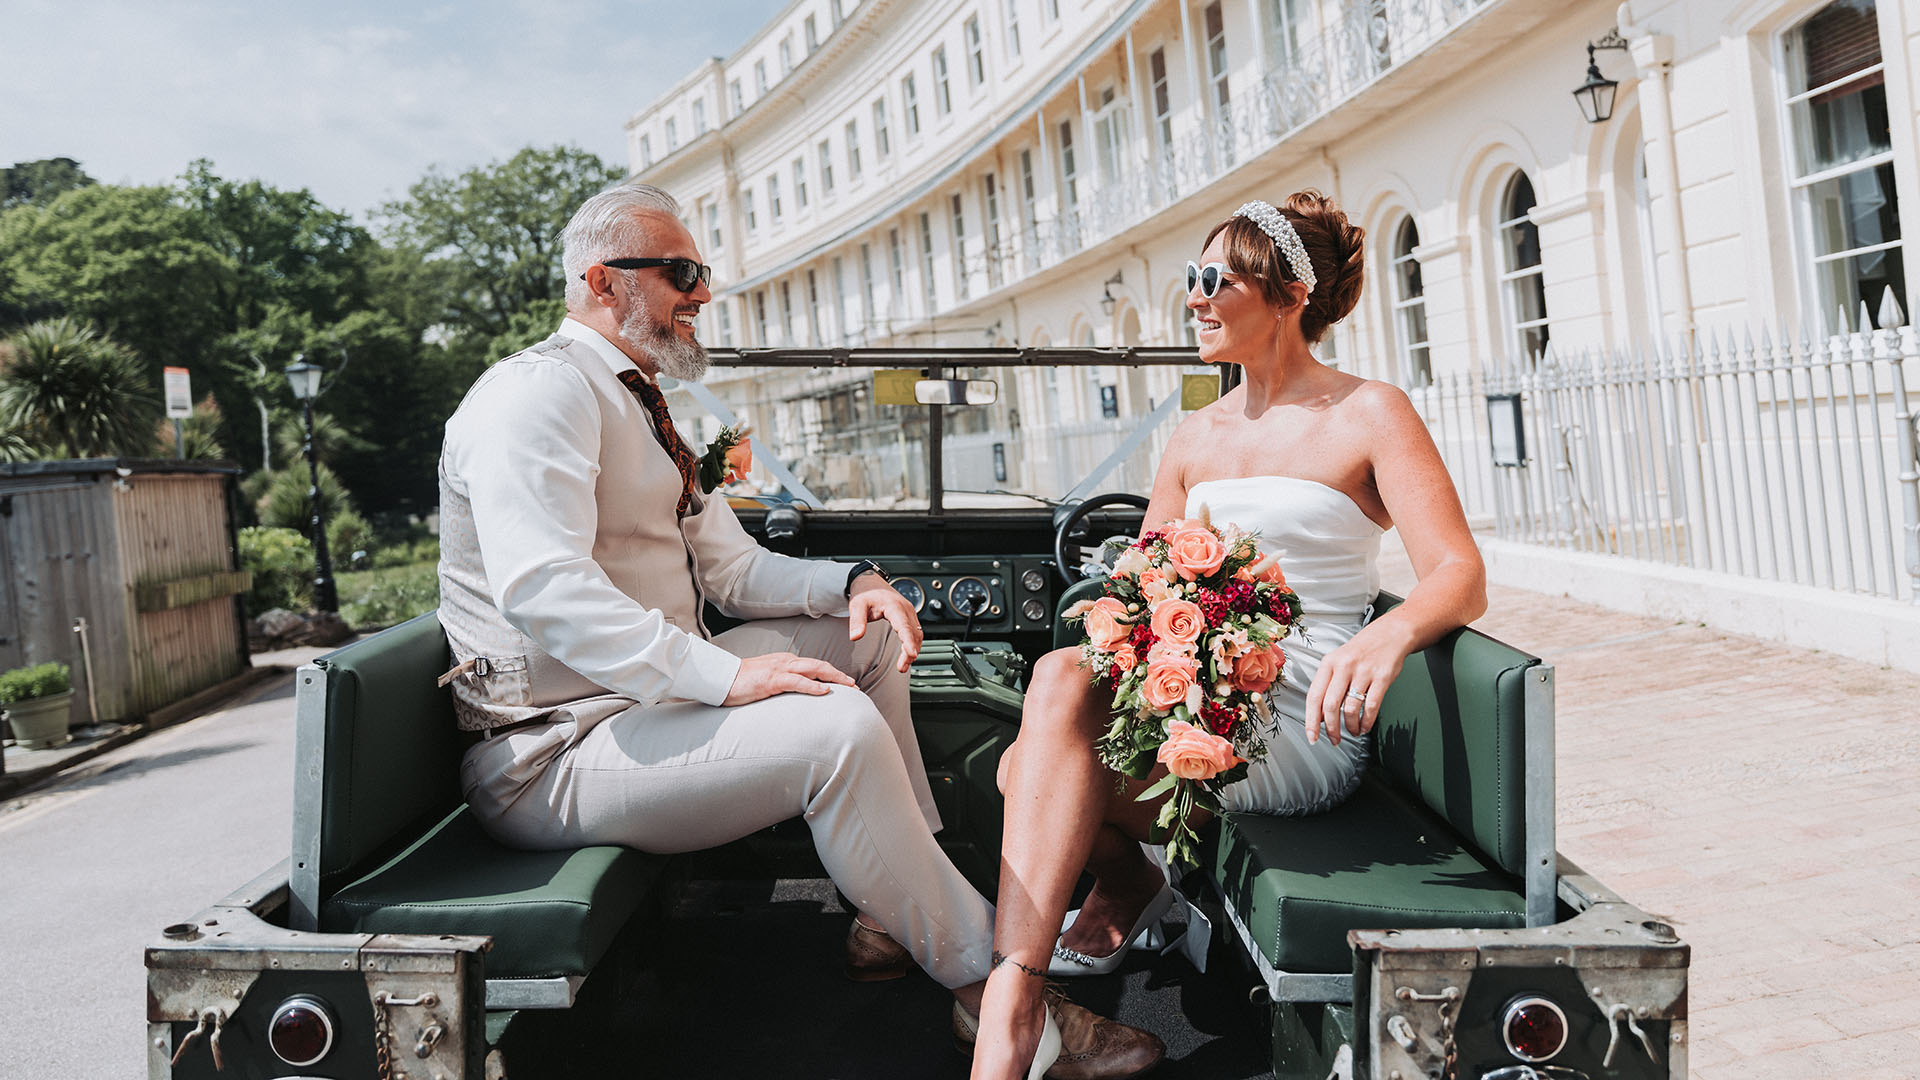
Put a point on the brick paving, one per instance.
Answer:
(1765, 800)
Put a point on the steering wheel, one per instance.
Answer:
(1073, 523)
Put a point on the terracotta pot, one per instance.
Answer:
(41, 724)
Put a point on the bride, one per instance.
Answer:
(1320, 463)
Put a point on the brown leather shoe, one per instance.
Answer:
(872, 956)
(1094, 1047)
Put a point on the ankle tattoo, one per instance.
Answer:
(1002, 958)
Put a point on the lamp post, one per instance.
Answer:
(304, 378)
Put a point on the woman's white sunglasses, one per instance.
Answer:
(1208, 277)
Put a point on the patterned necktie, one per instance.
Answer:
(676, 447)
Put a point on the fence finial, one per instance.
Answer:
(1866, 318)
(1841, 328)
(1891, 316)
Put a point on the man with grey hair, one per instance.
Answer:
(576, 554)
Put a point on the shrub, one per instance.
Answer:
(38, 681)
(426, 549)
(349, 534)
(282, 565)
(381, 598)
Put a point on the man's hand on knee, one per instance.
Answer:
(782, 673)
(874, 599)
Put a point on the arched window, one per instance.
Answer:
(1410, 306)
(1183, 332)
(1522, 286)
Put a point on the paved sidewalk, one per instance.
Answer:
(1763, 799)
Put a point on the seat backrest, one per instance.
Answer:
(378, 752)
(1453, 733)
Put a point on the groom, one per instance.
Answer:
(577, 552)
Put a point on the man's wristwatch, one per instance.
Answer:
(864, 566)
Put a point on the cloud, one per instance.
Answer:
(353, 100)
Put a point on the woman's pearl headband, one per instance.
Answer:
(1275, 224)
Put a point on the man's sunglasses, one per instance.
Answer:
(682, 272)
(1208, 277)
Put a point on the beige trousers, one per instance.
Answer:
(681, 776)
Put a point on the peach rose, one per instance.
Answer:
(1177, 652)
(1195, 551)
(1153, 584)
(1177, 620)
(1125, 657)
(1256, 670)
(1267, 569)
(1191, 753)
(1167, 682)
(739, 460)
(1106, 623)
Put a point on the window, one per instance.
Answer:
(1523, 287)
(960, 275)
(1029, 202)
(799, 184)
(853, 151)
(786, 56)
(840, 297)
(773, 197)
(786, 311)
(942, 99)
(1290, 21)
(673, 135)
(910, 102)
(816, 329)
(1013, 29)
(699, 117)
(726, 323)
(1069, 184)
(1843, 158)
(976, 53)
(813, 35)
(753, 222)
(1184, 333)
(1410, 306)
(838, 15)
(1162, 98)
(646, 151)
(735, 95)
(897, 267)
(994, 252)
(880, 141)
(1110, 126)
(760, 78)
(1052, 9)
(713, 226)
(866, 284)
(926, 261)
(1217, 57)
(826, 168)
(760, 315)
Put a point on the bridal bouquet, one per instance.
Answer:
(1188, 638)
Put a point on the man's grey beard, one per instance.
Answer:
(674, 357)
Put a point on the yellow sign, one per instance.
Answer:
(895, 387)
(1199, 391)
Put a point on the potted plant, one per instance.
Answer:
(36, 701)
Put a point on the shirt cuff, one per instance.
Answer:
(708, 674)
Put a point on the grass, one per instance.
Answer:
(374, 599)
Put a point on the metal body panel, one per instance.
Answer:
(533, 993)
(1541, 888)
(309, 756)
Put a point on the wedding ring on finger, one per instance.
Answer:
(1356, 696)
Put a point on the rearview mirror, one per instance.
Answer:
(956, 391)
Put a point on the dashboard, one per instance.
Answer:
(988, 594)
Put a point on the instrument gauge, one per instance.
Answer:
(1033, 580)
(969, 596)
(910, 588)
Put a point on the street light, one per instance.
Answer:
(1595, 96)
(304, 379)
(1107, 300)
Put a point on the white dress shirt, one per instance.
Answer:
(572, 503)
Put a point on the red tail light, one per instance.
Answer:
(301, 1031)
(1534, 1029)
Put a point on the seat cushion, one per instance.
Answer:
(1378, 861)
(550, 913)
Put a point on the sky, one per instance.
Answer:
(352, 99)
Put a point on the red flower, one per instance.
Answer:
(1142, 639)
(1220, 717)
(1213, 606)
(1281, 608)
(1240, 596)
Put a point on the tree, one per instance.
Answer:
(76, 393)
(486, 243)
(40, 181)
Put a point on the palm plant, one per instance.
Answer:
(77, 393)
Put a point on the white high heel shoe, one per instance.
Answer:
(967, 1032)
(1066, 963)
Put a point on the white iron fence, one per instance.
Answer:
(1788, 459)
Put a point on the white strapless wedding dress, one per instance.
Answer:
(1330, 553)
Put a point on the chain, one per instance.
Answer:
(382, 1038)
(1449, 1000)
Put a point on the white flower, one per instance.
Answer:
(1132, 563)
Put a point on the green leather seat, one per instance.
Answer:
(1377, 861)
(550, 913)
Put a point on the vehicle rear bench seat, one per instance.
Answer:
(383, 842)
(1452, 825)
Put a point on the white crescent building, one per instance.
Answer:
(977, 172)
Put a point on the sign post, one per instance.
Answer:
(178, 386)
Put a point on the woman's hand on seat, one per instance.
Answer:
(1346, 691)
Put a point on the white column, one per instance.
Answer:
(1653, 55)
(1139, 109)
(1087, 148)
(1193, 78)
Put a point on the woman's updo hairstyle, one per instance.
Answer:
(1333, 245)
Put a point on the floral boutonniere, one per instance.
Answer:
(728, 458)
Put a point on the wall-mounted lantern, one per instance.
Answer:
(1595, 96)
